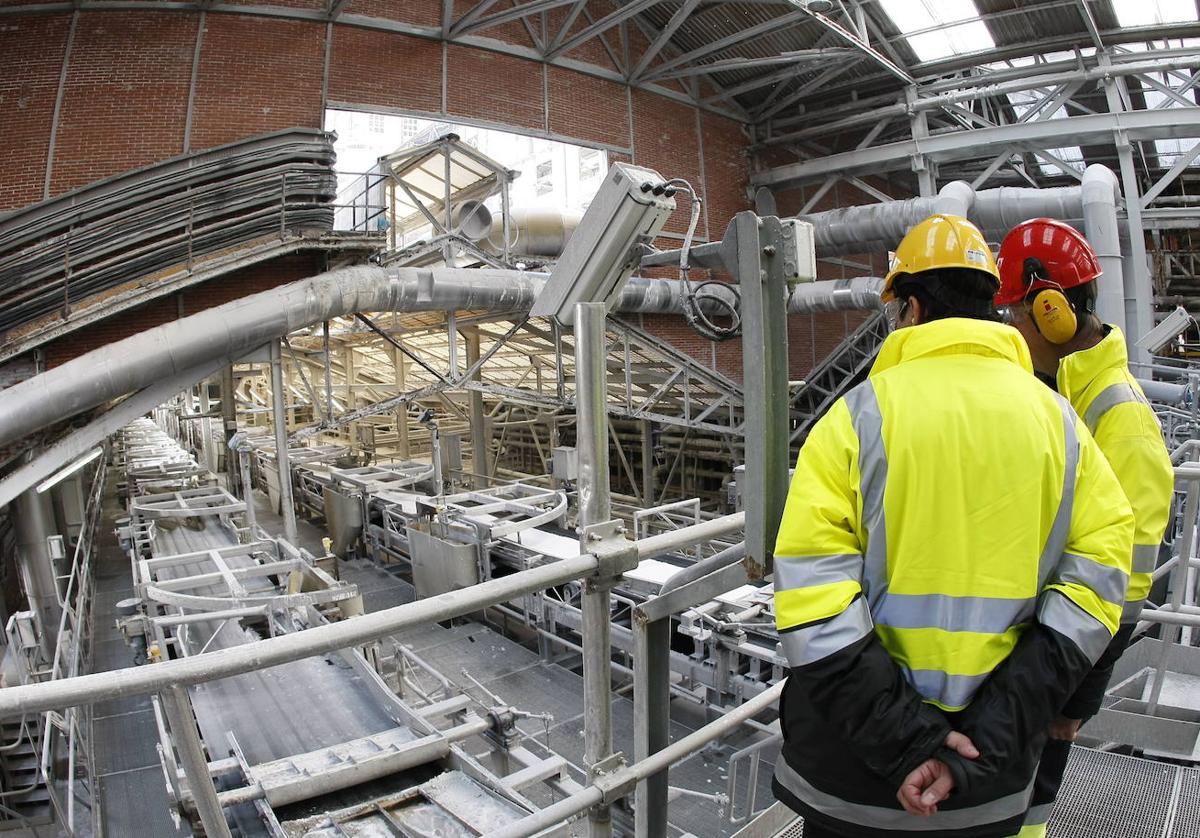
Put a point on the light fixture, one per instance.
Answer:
(62, 474)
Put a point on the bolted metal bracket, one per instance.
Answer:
(613, 778)
(606, 541)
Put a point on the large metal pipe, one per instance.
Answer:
(860, 229)
(33, 524)
(228, 332)
(534, 231)
(858, 294)
(1099, 194)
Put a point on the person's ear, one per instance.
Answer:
(916, 312)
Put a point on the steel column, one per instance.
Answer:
(243, 456)
(651, 719)
(591, 376)
(751, 252)
(282, 460)
(34, 525)
(229, 422)
(178, 708)
(479, 435)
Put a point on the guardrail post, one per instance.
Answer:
(756, 252)
(178, 707)
(591, 377)
(282, 461)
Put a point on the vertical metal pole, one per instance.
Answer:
(1139, 295)
(229, 420)
(479, 431)
(504, 215)
(328, 372)
(401, 365)
(243, 456)
(282, 461)
(351, 401)
(178, 707)
(648, 462)
(651, 720)
(756, 263)
(33, 520)
(594, 508)
(1179, 577)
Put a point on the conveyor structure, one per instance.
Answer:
(205, 581)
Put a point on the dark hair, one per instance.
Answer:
(950, 292)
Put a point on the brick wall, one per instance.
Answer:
(33, 49)
(365, 64)
(257, 74)
(113, 121)
(125, 101)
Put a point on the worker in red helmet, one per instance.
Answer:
(1048, 274)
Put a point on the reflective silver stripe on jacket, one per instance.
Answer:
(1145, 558)
(872, 470)
(1109, 583)
(1058, 612)
(1060, 530)
(1131, 610)
(1039, 815)
(814, 642)
(1110, 397)
(952, 691)
(878, 817)
(796, 572)
(954, 613)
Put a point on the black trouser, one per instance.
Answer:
(1050, 772)
(812, 830)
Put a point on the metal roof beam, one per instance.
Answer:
(664, 37)
(863, 46)
(773, 25)
(599, 27)
(1031, 136)
(799, 56)
(515, 13)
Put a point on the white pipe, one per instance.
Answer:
(1099, 193)
(869, 227)
(226, 333)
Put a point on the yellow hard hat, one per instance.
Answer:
(940, 241)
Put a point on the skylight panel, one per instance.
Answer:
(939, 28)
(1153, 12)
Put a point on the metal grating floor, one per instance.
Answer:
(1111, 796)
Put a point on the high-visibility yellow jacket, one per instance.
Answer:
(1108, 398)
(933, 571)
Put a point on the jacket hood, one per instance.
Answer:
(953, 336)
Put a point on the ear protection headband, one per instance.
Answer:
(1053, 315)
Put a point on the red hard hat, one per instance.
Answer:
(1063, 257)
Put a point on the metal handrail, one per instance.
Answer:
(88, 689)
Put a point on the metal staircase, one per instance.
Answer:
(24, 800)
(839, 372)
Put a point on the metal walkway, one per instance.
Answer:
(1104, 795)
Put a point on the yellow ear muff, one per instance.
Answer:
(1054, 316)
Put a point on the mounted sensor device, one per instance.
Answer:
(622, 220)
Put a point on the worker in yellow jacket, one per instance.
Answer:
(1048, 274)
(939, 591)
